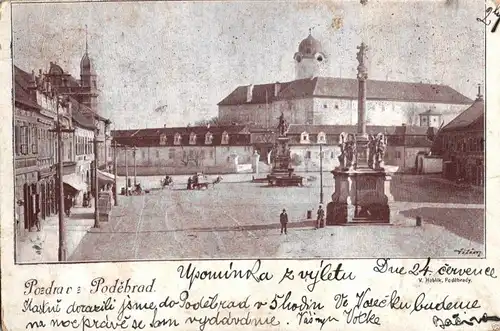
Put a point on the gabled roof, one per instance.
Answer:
(347, 88)
(468, 117)
(22, 94)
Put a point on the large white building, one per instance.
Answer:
(315, 99)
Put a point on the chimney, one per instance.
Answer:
(32, 82)
(277, 89)
(479, 95)
(249, 93)
(164, 125)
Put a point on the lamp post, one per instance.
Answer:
(135, 172)
(115, 172)
(126, 172)
(96, 178)
(62, 251)
(321, 172)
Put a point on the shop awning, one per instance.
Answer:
(75, 182)
(105, 177)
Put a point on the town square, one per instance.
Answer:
(224, 138)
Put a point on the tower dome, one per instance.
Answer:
(310, 46)
(309, 60)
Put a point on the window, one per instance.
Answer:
(192, 138)
(177, 139)
(171, 153)
(143, 153)
(398, 154)
(208, 138)
(202, 155)
(211, 154)
(157, 154)
(225, 138)
(304, 137)
(308, 154)
(24, 140)
(184, 154)
(163, 139)
(332, 155)
(191, 154)
(325, 106)
(17, 139)
(321, 137)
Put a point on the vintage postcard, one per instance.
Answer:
(258, 165)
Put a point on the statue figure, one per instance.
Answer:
(381, 146)
(281, 125)
(372, 145)
(342, 145)
(350, 151)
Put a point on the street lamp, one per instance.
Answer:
(126, 172)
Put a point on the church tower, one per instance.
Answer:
(88, 80)
(309, 59)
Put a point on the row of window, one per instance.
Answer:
(464, 144)
(190, 153)
(84, 145)
(192, 139)
(30, 139)
(321, 137)
(318, 155)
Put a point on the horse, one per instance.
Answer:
(217, 180)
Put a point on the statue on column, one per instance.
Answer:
(281, 125)
(381, 146)
(362, 58)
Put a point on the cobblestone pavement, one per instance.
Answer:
(240, 220)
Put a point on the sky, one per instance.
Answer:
(188, 56)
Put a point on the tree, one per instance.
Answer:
(296, 160)
(195, 157)
(211, 121)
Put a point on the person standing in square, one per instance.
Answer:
(321, 217)
(283, 221)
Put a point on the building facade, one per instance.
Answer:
(461, 146)
(35, 149)
(183, 150)
(307, 141)
(317, 100)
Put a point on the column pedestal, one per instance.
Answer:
(361, 196)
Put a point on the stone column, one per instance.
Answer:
(361, 136)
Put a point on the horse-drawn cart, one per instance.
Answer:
(200, 182)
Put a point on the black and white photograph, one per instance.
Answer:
(160, 130)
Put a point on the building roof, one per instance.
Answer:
(198, 130)
(22, 94)
(347, 88)
(469, 117)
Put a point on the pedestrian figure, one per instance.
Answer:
(37, 220)
(283, 220)
(190, 182)
(321, 217)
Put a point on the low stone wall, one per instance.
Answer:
(161, 171)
